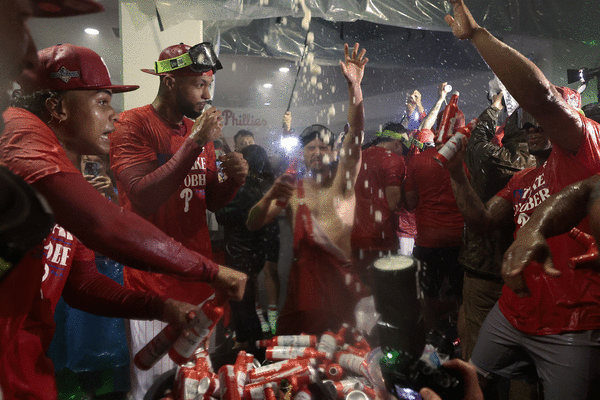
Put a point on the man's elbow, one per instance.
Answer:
(143, 208)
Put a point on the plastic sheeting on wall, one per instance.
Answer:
(550, 19)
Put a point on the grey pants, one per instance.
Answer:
(567, 364)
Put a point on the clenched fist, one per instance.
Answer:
(207, 127)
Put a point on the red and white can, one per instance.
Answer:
(327, 344)
(277, 353)
(228, 383)
(265, 372)
(334, 372)
(345, 386)
(353, 363)
(289, 340)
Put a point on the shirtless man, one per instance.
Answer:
(321, 209)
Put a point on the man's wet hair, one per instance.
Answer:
(320, 131)
(35, 103)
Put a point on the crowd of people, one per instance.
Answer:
(507, 256)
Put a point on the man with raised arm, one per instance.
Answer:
(322, 288)
(546, 319)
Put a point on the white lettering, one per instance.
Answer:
(544, 193)
(539, 181)
(65, 255)
(199, 164)
(46, 272)
(522, 220)
(57, 253)
(61, 232)
(195, 180)
(49, 249)
(187, 195)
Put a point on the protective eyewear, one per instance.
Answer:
(200, 58)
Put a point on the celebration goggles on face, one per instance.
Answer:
(402, 137)
(200, 58)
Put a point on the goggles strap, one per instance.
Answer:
(172, 64)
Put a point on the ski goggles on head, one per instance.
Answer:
(391, 134)
(200, 58)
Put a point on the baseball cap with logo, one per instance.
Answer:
(183, 60)
(65, 8)
(69, 67)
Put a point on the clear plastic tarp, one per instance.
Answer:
(550, 19)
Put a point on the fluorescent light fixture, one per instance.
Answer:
(91, 31)
(268, 85)
(267, 103)
(284, 69)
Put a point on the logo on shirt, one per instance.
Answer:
(526, 200)
(193, 182)
(64, 74)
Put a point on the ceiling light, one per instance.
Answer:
(91, 31)
(284, 69)
(268, 85)
(267, 103)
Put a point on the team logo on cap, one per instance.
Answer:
(64, 74)
(177, 62)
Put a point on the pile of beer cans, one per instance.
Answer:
(298, 367)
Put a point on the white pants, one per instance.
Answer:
(141, 332)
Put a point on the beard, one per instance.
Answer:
(544, 153)
(186, 107)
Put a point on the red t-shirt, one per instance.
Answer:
(570, 302)
(375, 224)
(26, 371)
(439, 221)
(143, 136)
(30, 149)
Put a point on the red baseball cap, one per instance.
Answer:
(172, 52)
(65, 8)
(69, 67)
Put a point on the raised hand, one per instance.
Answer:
(442, 90)
(234, 166)
(416, 97)
(353, 65)
(287, 121)
(463, 24)
(207, 127)
(283, 188)
(497, 100)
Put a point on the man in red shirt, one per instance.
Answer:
(25, 218)
(546, 318)
(439, 235)
(378, 196)
(322, 287)
(71, 90)
(166, 172)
